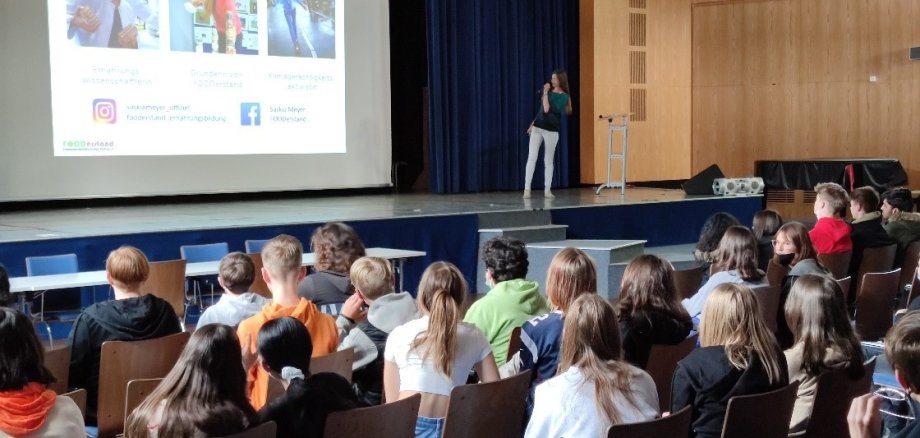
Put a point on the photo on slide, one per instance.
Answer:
(301, 28)
(214, 26)
(119, 24)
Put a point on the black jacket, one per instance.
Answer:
(301, 412)
(130, 319)
(644, 329)
(326, 287)
(866, 234)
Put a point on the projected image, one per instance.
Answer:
(303, 28)
(115, 24)
(214, 26)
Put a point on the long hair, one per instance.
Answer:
(563, 79)
(23, 357)
(648, 284)
(570, 274)
(591, 342)
(440, 293)
(738, 251)
(337, 246)
(732, 319)
(713, 229)
(798, 235)
(205, 391)
(285, 342)
(817, 316)
(766, 223)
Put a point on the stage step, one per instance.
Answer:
(528, 226)
(520, 218)
(609, 256)
(526, 234)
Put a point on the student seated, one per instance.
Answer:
(367, 330)
(284, 353)
(816, 312)
(714, 228)
(737, 356)
(131, 316)
(901, 223)
(236, 275)
(766, 223)
(831, 234)
(511, 301)
(27, 407)
(867, 230)
(203, 395)
(336, 247)
(649, 310)
(793, 248)
(595, 388)
(433, 354)
(282, 271)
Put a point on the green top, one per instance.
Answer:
(508, 305)
(558, 101)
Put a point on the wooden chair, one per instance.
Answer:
(392, 420)
(688, 281)
(776, 273)
(768, 297)
(875, 304)
(662, 361)
(167, 281)
(674, 425)
(764, 415)
(488, 409)
(913, 293)
(845, 284)
(514, 342)
(121, 362)
(258, 284)
(838, 263)
(833, 394)
(879, 259)
(136, 392)
(57, 361)
(79, 397)
(909, 265)
(267, 429)
(338, 362)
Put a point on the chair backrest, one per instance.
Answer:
(487, 409)
(688, 281)
(514, 342)
(845, 284)
(136, 392)
(662, 361)
(875, 304)
(267, 429)
(764, 415)
(675, 425)
(914, 291)
(838, 263)
(57, 360)
(121, 362)
(776, 273)
(167, 281)
(254, 246)
(207, 252)
(833, 394)
(768, 297)
(79, 398)
(391, 420)
(338, 362)
(909, 265)
(51, 265)
(258, 284)
(880, 259)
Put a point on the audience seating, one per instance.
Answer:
(50, 265)
(136, 391)
(391, 420)
(913, 293)
(167, 281)
(838, 264)
(674, 425)
(254, 246)
(121, 362)
(879, 259)
(875, 304)
(662, 361)
(514, 342)
(207, 252)
(909, 265)
(488, 409)
(258, 283)
(845, 284)
(764, 415)
(688, 281)
(776, 273)
(57, 360)
(768, 297)
(267, 429)
(79, 398)
(338, 362)
(833, 394)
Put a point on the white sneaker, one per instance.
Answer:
(548, 194)
(526, 194)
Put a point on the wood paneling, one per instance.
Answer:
(789, 79)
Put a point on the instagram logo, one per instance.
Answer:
(104, 111)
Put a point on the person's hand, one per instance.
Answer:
(249, 356)
(352, 309)
(127, 38)
(546, 88)
(864, 419)
(530, 129)
(85, 19)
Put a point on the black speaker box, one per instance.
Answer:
(915, 53)
(701, 183)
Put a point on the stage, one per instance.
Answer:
(446, 227)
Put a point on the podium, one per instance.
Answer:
(616, 123)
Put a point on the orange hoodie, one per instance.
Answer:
(322, 330)
(24, 411)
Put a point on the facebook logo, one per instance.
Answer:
(250, 114)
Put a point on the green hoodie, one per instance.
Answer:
(508, 305)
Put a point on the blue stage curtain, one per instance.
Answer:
(486, 61)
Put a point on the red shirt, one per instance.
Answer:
(221, 7)
(831, 236)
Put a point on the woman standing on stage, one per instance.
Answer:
(545, 129)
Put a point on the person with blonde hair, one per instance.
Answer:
(831, 234)
(816, 312)
(594, 388)
(433, 354)
(737, 356)
(132, 316)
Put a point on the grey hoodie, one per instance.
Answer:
(385, 313)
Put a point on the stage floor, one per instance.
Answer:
(26, 226)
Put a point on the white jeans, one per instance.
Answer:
(549, 139)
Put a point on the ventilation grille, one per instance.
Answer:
(637, 30)
(637, 4)
(636, 67)
(781, 196)
(637, 104)
(809, 196)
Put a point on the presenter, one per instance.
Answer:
(545, 129)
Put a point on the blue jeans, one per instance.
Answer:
(429, 427)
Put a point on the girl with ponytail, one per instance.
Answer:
(432, 354)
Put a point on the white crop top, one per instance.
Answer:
(416, 375)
